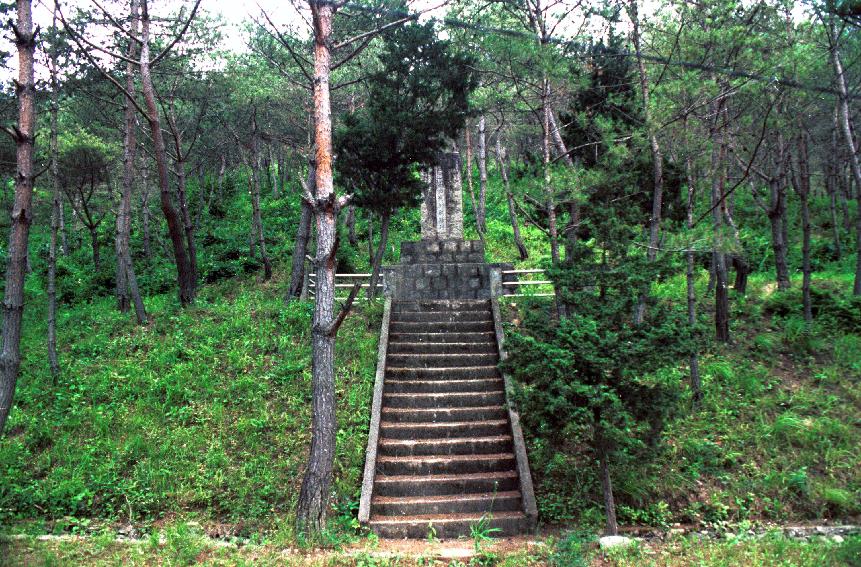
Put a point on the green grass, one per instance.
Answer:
(181, 545)
(769, 550)
(202, 414)
(778, 437)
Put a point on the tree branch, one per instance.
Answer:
(332, 330)
(93, 62)
(181, 33)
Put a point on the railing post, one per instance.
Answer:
(495, 281)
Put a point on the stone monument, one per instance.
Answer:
(442, 265)
(442, 199)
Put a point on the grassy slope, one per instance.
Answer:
(204, 414)
(778, 437)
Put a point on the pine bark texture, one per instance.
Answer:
(313, 503)
(257, 221)
(385, 220)
(831, 183)
(690, 280)
(501, 157)
(719, 256)
(550, 196)
(22, 214)
(56, 200)
(300, 245)
(776, 213)
(184, 271)
(468, 140)
(481, 210)
(126, 284)
(846, 129)
(606, 481)
(801, 183)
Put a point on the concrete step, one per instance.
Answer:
(441, 305)
(442, 400)
(432, 338)
(446, 526)
(441, 360)
(440, 327)
(446, 464)
(444, 430)
(481, 503)
(445, 484)
(402, 347)
(442, 373)
(440, 386)
(412, 415)
(441, 316)
(454, 446)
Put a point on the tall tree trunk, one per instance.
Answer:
(371, 248)
(481, 211)
(559, 142)
(53, 358)
(696, 381)
(273, 172)
(300, 246)
(801, 184)
(64, 239)
(283, 169)
(846, 127)
(145, 213)
(719, 256)
(184, 270)
(831, 173)
(187, 225)
(657, 158)
(221, 169)
(256, 174)
(777, 219)
(258, 225)
(606, 482)
(96, 247)
(22, 215)
(313, 500)
(573, 205)
(385, 218)
(468, 139)
(501, 158)
(127, 288)
(548, 190)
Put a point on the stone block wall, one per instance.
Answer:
(439, 269)
(442, 251)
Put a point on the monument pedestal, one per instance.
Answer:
(442, 265)
(439, 269)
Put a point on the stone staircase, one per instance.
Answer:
(445, 453)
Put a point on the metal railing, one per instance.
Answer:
(541, 287)
(345, 282)
(524, 288)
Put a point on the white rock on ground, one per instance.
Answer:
(610, 542)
